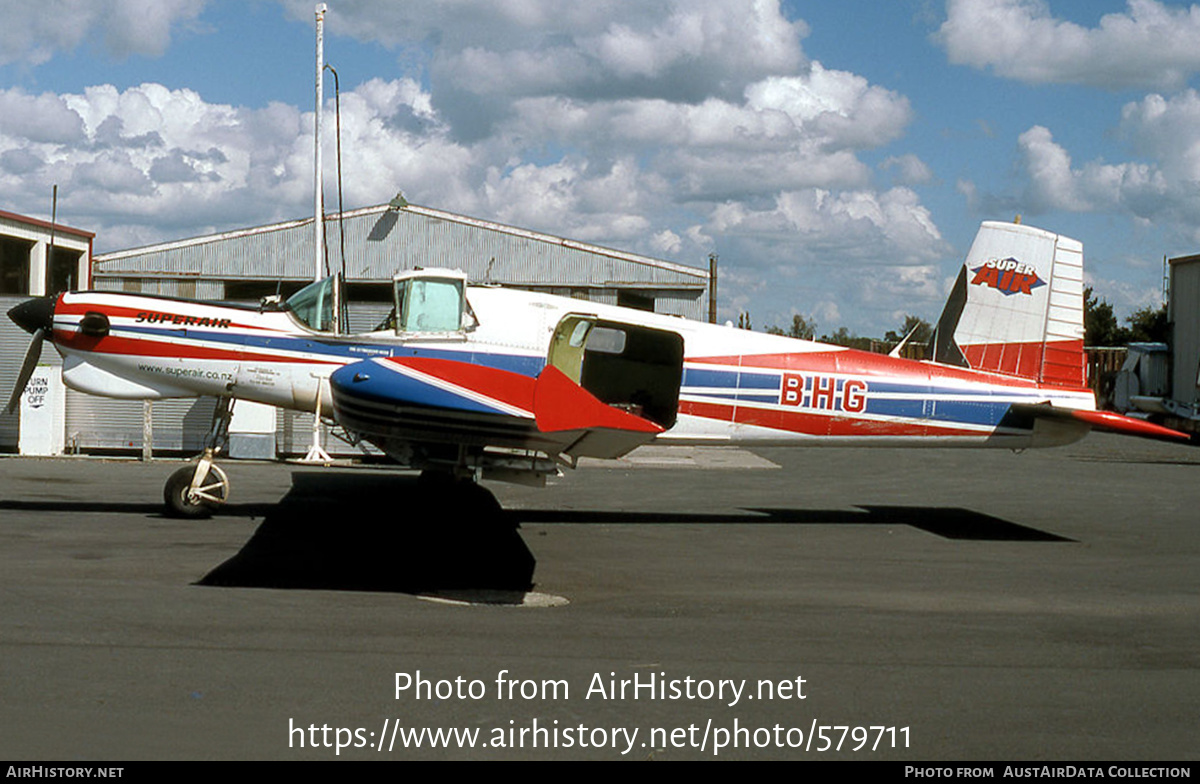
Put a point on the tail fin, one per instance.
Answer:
(1017, 307)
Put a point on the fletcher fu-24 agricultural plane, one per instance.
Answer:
(485, 382)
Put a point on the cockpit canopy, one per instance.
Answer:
(313, 305)
(426, 302)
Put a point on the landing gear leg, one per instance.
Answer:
(455, 490)
(449, 472)
(193, 492)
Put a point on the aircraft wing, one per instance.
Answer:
(436, 400)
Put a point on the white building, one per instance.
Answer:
(36, 258)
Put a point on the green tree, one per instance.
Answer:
(844, 337)
(1149, 325)
(923, 331)
(917, 346)
(1146, 325)
(801, 328)
(1100, 326)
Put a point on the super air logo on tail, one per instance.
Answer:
(1008, 276)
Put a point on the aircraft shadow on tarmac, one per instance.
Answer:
(372, 532)
(947, 522)
(125, 507)
(376, 532)
(383, 532)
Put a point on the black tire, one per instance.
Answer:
(175, 495)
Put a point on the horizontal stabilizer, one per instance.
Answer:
(1116, 423)
(1104, 421)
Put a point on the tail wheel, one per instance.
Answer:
(183, 500)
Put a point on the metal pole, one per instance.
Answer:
(49, 271)
(712, 288)
(315, 452)
(318, 200)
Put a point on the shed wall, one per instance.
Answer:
(1185, 318)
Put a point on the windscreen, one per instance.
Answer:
(313, 305)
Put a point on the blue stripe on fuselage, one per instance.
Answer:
(913, 400)
(346, 350)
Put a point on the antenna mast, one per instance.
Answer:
(316, 454)
(318, 184)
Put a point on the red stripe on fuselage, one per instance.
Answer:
(815, 424)
(177, 349)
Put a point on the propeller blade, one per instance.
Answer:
(32, 355)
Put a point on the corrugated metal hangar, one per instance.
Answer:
(248, 264)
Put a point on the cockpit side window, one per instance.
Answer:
(429, 305)
(313, 305)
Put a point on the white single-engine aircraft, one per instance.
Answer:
(485, 382)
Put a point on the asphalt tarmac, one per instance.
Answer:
(937, 604)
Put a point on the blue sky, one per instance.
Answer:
(838, 156)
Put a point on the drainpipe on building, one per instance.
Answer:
(712, 288)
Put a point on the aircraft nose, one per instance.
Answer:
(34, 314)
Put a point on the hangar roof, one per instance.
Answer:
(384, 239)
(24, 220)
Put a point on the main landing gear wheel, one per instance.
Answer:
(194, 492)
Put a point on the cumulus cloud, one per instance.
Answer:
(605, 47)
(572, 199)
(1053, 184)
(841, 109)
(868, 249)
(894, 222)
(1149, 45)
(1158, 187)
(909, 169)
(144, 161)
(20, 162)
(785, 133)
(1166, 129)
(32, 33)
(666, 241)
(483, 55)
(41, 118)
